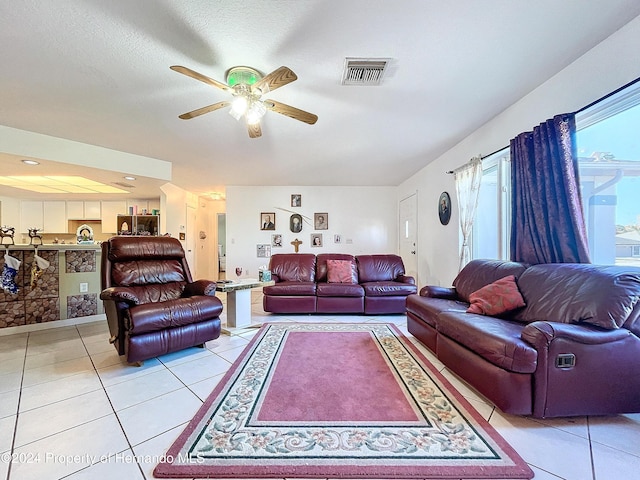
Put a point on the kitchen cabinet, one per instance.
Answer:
(78, 210)
(109, 214)
(55, 217)
(31, 215)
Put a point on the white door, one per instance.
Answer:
(408, 236)
(190, 240)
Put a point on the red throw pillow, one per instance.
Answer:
(340, 271)
(498, 297)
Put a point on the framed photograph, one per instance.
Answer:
(295, 223)
(337, 238)
(321, 221)
(444, 208)
(276, 240)
(296, 200)
(263, 250)
(316, 239)
(267, 221)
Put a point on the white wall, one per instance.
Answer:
(610, 65)
(365, 216)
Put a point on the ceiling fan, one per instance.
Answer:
(247, 86)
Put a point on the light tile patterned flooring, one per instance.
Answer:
(70, 408)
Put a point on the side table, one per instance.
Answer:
(239, 301)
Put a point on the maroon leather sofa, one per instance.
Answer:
(574, 349)
(378, 285)
(152, 304)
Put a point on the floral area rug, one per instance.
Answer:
(338, 401)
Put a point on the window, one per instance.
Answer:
(609, 164)
(490, 233)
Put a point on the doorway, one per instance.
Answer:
(408, 236)
(222, 245)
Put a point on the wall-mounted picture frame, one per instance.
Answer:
(316, 239)
(295, 223)
(263, 250)
(276, 240)
(296, 200)
(321, 221)
(337, 238)
(444, 208)
(267, 221)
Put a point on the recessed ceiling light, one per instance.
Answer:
(30, 162)
(128, 177)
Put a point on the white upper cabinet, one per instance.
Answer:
(31, 215)
(110, 212)
(55, 217)
(78, 210)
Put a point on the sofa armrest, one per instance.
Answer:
(434, 291)
(200, 287)
(406, 279)
(540, 334)
(120, 294)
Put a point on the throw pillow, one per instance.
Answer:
(340, 271)
(498, 297)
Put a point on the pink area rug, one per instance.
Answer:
(338, 401)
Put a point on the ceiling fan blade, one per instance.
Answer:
(203, 110)
(198, 76)
(276, 79)
(255, 130)
(292, 112)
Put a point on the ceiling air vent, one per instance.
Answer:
(364, 71)
(123, 185)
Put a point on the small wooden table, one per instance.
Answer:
(239, 300)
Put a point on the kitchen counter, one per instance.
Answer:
(54, 246)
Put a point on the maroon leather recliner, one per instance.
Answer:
(152, 304)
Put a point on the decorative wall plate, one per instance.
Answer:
(444, 208)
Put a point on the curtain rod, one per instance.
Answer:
(595, 102)
(482, 157)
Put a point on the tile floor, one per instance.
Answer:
(69, 408)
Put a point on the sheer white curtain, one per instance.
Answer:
(467, 180)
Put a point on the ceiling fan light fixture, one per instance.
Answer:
(242, 76)
(255, 112)
(239, 107)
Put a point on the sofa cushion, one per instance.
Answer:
(428, 308)
(341, 271)
(496, 340)
(496, 298)
(604, 296)
(293, 267)
(152, 317)
(379, 268)
(339, 290)
(478, 273)
(387, 289)
(290, 289)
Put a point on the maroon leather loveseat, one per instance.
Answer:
(574, 349)
(377, 284)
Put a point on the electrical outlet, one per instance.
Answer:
(84, 287)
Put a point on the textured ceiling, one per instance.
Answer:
(97, 72)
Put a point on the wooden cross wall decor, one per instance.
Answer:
(296, 244)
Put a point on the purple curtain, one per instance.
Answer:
(547, 224)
